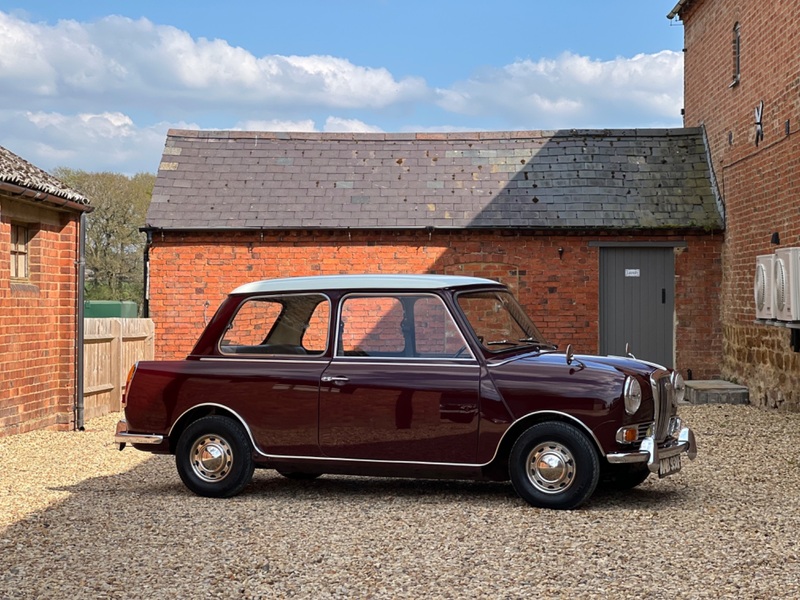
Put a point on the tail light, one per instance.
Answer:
(128, 385)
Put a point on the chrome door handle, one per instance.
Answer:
(335, 379)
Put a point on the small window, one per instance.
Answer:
(20, 237)
(737, 54)
(293, 325)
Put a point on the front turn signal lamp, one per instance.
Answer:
(627, 435)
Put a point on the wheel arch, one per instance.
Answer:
(497, 468)
(198, 412)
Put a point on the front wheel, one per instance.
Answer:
(554, 465)
(214, 457)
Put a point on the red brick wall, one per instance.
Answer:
(192, 273)
(37, 325)
(759, 183)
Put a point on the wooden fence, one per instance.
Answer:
(110, 348)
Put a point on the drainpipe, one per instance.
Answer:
(79, 399)
(146, 300)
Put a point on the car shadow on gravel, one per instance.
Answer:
(157, 480)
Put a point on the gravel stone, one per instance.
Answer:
(79, 519)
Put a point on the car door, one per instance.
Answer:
(273, 353)
(402, 385)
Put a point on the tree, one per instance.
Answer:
(114, 245)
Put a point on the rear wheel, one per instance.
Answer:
(554, 465)
(214, 457)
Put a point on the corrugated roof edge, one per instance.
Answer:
(17, 171)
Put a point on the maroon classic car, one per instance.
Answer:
(402, 376)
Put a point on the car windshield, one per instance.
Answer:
(499, 322)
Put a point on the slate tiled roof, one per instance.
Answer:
(611, 179)
(20, 172)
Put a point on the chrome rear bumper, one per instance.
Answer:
(122, 436)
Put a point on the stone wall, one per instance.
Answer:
(755, 166)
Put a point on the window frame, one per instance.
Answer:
(278, 298)
(736, 44)
(466, 353)
(20, 250)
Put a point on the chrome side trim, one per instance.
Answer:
(317, 458)
(236, 358)
(414, 362)
(381, 362)
(386, 462)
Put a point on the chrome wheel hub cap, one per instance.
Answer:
(551, 467)
(211, 458)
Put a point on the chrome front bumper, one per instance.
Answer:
(651, 453)
(122, 436)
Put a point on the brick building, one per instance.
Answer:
(40, 238)
(742, 84)
(576, 223)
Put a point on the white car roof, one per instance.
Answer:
(360, 282)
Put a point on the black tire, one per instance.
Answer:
(214, 457)
(554, 465)
(298, 475)
(624, 477)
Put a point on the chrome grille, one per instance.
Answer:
(662, 403)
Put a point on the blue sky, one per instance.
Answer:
(95, 85)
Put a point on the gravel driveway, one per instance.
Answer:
(79, 519)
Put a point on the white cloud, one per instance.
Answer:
(117, 57)
(339, 125)
(89, 141)
(306, 125)
(574, 91)
(332, 124)
(101, 95)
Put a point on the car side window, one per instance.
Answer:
(372, 326)
(279, 325)
(436, 334)
(401, 326)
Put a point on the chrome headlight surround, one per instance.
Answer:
(632, 394)
(678, 387)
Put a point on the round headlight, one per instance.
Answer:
(678, 387)
(633, 395)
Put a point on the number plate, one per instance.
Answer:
(669, 466)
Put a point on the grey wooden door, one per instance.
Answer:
(637, 302)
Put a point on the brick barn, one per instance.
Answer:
(605, 236)
(40, 299)
(742, 84)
